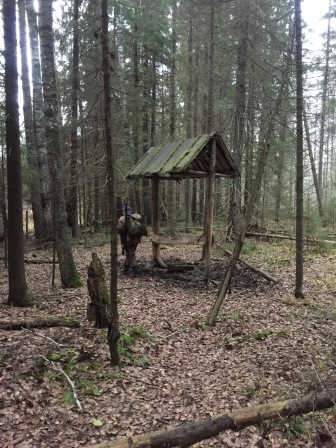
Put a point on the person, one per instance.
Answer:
(129, 243)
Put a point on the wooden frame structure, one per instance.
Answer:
(205, 156)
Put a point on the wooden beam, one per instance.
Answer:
(157, 260)
(179, 238)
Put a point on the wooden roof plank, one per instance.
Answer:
(174, 158)
(200, 142)
(180, 154)
(157, 164)
(144, 162)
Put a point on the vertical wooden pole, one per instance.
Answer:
(210, 209)
(27, 224)
(157, 261)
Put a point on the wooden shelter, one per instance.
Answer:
(205, 156)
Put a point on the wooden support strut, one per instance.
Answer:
(209, 211)
(157, 260)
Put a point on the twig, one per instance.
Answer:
(68, 380)
(49, 339)
(168, 335)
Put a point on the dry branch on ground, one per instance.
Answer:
(192, 432)
(39, 322)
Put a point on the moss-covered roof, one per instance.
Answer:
(185, 158)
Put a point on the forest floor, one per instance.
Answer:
(266, 346)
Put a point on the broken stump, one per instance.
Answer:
(98, 310)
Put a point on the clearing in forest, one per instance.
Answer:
(266, 346)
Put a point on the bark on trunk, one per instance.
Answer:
(69, 275)
(18, 290)
(324, 102)
(34, 174)
(171, 224)
(39, 122)
(313, 167)
(98, 309)
(113, 331)
(239, 119)
(73, 194)
(299, 153)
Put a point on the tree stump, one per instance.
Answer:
(98, 310)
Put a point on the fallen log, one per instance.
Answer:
(286, 237)
(254, 269)
(192, 432)
(30, 261)
(179, 267)
(39, 322)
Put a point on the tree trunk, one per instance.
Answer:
(73, 194)
(18, 290)
(195, 431)
(34, 173)
(39, 122)
(313, 167)
(69, 275)
(239, 119)
(171, 225)
(188, 182)
(279, 169)
(324, 103)
(299, 153)
(250, 136)
(146, 192)
(113, 331)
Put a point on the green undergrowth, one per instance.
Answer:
(261, 335)
(82, 368)
(127, 344)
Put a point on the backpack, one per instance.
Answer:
(135, 225)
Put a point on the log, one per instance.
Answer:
(254, 269)
(39, 322)
(195, 431)
(270, 235)
(286, 237)
(30, 261)
(180, 267)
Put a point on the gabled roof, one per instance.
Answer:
(185, 158)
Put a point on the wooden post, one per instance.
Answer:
(27, 224)
(157, 261)
(209, 210)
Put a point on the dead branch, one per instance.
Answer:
(254, 269)
(39, 322)
(192, 432)
(59, 369)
